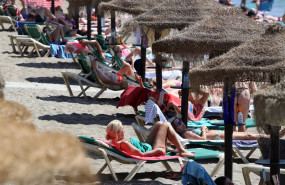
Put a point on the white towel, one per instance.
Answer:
(151, 111)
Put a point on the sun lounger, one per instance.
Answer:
(37, 40)
(217, 124)
(86, 79)
(7, 20)
(264, 144)
(110, 152)
(238, 145)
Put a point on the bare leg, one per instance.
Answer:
(163, 131)
(23, 3)
(127, 69)
(243, 101)
(57, 33)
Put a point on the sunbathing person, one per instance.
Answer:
(106, 76)
(54, 35)
(126, 68)
(242, 100)
(155, 144)
(204, 133)
(42, 13)
(17, 12)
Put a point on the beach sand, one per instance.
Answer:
(37, 84)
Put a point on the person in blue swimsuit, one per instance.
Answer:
(204, 133)
(155, 144)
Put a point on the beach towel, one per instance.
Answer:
(173, 74)
(133, 96)
(119, 151)
(151, 111)
(194, 173)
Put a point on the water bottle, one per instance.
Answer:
(186, 81)
(239, 116)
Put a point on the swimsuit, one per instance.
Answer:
(143, 147)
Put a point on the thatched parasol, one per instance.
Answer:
(29, 156)
(174, 14)
(259, 60)
(226, 29)
(269, 106)
(134, 7)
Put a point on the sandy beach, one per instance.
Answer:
(37, 83)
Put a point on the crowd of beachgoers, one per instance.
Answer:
(113, 65)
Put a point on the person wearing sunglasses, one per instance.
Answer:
(204, 133)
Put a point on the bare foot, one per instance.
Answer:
(186, 153)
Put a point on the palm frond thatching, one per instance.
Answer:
(269, 105)
(34, 157)
(134, 7)
(260, 60)
(174, 14)
(226, 29)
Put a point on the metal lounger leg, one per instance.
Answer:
(250, 152)
(65, 79)
(19, 48)
(134, 170)
(219, 165)
(100, 92)
(167, 166)
(108, 163)
(37, 49)
(13, 44)
(240, 154)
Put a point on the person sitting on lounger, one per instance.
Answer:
(106, 76)
(125, 69)
(204, 133)
(155, 144)
(17, 12)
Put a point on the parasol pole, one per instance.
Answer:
(52, 7)
(99, 23)
(143, 59)
(158, 67)
(88, 7)
(113, 23)
(274, 153)
(185, 92)
(228, 128)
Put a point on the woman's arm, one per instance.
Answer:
(191, 135)
(131, 149)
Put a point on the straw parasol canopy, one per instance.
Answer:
(269, 105)
(29, 156)
(259, 60)
(174, 14)
(226, 29)
(134, 7)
